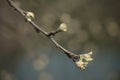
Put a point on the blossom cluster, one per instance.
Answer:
(84, 60)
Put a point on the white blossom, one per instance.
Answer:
(87, 56)
(84, 60)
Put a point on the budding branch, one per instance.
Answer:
(50, 35)
(80, 60)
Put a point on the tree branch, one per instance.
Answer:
(50, 35)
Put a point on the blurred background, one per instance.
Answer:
(93, 25)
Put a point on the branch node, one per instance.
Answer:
(61, 28)
(53, 33)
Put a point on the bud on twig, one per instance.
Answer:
(29, 16)
(63, 27)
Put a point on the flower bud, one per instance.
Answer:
(63, 27)
(87, 56)
(80, 64)
(30, 16)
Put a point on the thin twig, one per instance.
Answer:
(71, 55)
